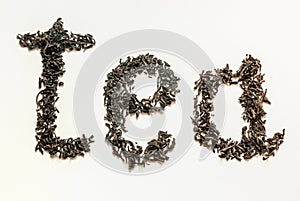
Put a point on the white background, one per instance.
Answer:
(225, 30)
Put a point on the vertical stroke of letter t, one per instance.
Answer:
(52, 44)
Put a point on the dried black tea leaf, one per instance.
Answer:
(121, 102)
(52, 44)
(254, 140)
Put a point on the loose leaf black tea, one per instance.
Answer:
(52, 44)
(254, 141)
(121, 102)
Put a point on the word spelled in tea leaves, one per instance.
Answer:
(52, 44)
(254, 140)
(121, 102)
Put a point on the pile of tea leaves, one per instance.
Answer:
(52, 44)
(120, 102)
(254, 141)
